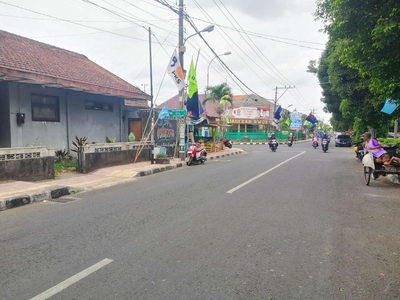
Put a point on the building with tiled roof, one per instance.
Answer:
(49, 94)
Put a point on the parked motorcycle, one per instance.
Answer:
(197, 155)
(227, 143)
(315, 144)
(359, 150)
(273, 145)
(324, 144)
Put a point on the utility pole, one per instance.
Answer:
(152, 139)
(182, 50)
(276, 93)
(151, 87)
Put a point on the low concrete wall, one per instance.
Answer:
(32, 169)
(27, 163)
(94, 161)
(96, 156)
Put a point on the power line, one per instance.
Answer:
(238, 47)
(261, 35)
(72, 22)
(278, 74)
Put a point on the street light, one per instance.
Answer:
(208, 68)
(207, 29)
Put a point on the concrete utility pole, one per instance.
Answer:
(151, 93)
(182, 51)
(276, 94)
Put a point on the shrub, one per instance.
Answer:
(110, 140)
(161, 155)
(131, 137)
(61, 155)
(79, 142)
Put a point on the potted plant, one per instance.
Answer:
(162, 158)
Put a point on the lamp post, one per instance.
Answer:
(208, 68)
(182, 50)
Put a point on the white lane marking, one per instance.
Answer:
(70, 281)
(262, 174)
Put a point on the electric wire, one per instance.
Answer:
(237, 47)
(277, 73)
(72, 22)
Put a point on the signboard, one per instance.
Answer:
(248, 112)
(165, 132)
(248, 121)
(295, 121)
(177, 113)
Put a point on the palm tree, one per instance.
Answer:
(221, 94)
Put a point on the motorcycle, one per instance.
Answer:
(290, 143)
(325, 144)
(227, 143)
(315, 144)
(273, 145)
(359, 150)
(194, 154)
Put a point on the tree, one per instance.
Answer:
(367, 37)
(220, 94)
(359, 68)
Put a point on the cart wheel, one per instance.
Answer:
(367, 175)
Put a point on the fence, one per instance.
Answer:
(27, 163)
(95, 156)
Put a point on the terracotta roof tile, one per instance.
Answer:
(35, 58)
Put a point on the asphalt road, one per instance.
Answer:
(294, 224)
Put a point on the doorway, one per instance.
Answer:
(135, 126)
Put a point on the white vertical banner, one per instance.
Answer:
(175, 71)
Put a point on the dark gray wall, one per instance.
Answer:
(96, 125)
(52, 134)
(33, 169)
(5, 135)
(94, 161)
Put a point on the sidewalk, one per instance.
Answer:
(17, 193)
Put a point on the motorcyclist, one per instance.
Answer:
(315, 139)
(290, 138)
(325, 137)
(271, 138)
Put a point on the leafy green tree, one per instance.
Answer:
(220, 94)
(367, 36)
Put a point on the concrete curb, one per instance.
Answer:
(37, 196)
(54, 192)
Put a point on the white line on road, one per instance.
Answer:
(70, 281)
(262, 174)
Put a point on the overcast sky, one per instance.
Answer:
(271, 41)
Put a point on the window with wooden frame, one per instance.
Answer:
(45, 108)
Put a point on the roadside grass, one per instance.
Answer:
(66, 166)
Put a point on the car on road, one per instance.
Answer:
(343, 140)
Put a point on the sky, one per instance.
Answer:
(271, 42)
